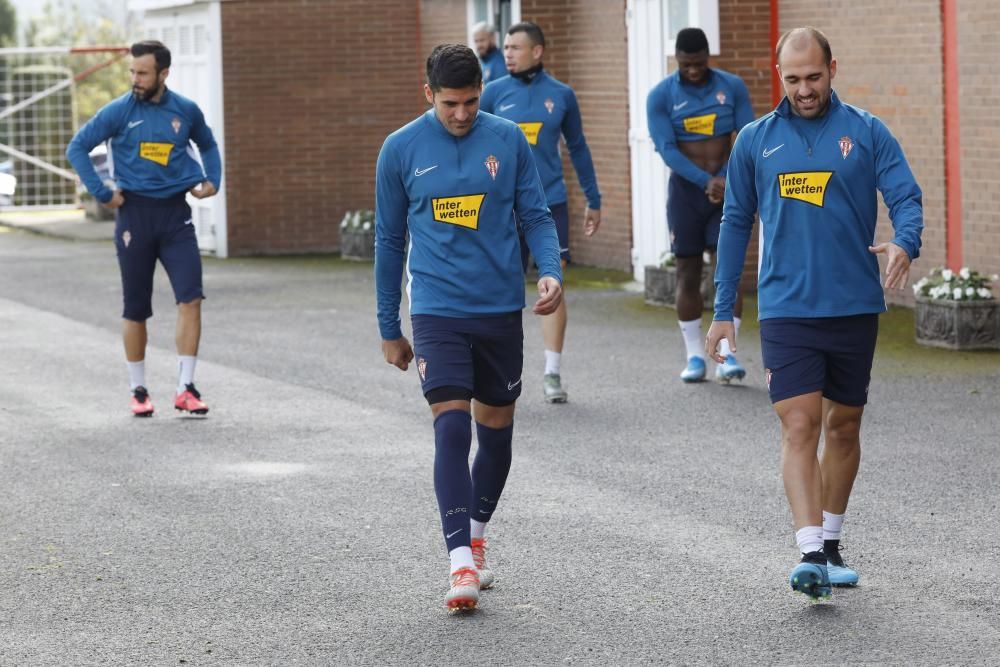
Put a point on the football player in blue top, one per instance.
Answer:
(490, 57)
(149, 130)
(546, 110)
(812, 169)
(693, 116)
(448, 186)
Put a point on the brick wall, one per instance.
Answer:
(890, 65)
(441, 22)
(308, 103)
(745, 50)
(587, 50)
(979, 95)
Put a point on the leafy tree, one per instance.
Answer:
(8, 24)
(62, 24)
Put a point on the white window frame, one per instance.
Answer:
(702, 14)
(491, 12)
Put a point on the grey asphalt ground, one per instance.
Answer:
(644, 522)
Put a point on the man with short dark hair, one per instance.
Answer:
(484, 36)
(149, 130)
(546, 109)
(812, 168)
(693, 116)
(447, 188)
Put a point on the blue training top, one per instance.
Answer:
(456, 197)
(493, 65)
(544, 109)
(678, 111)
(814, 183)
(148, 148)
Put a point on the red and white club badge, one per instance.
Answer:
(422, 368)
(176, 124)
(845, 146)
(126, 237)
(550, 105)
(492, 166)
(721, 97)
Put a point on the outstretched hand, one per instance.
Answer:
(897, 269)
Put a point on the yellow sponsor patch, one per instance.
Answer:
(807, 186)
(155, 152)
(531, 131)
(701, 124)
(462, 210)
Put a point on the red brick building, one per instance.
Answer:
(311, 89)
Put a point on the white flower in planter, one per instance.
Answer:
(970, 291)
(964, 273)
(947, 275)
(957, 294)
(366, 226)
(984, 293)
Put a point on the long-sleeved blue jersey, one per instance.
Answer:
(149, 147)
(457, 196)
(678, 111)
(814, 182)
(544, 109)
(493, 65)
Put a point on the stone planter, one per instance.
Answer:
(357, 244)
(958, 325)
(661, 286)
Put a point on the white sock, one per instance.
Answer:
(692, 338)
(833, 524)
(809, 539)
(186, 367)
(478, 529)
(461, 557)
(136, 374)
(724, 348)
(552, 362)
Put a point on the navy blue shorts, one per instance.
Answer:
(692, 219)
(146, 230)
(482, 357)
(560, 213)
(829, 354)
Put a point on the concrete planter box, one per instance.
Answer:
(357, 244)
(958, 325)
(661, 286)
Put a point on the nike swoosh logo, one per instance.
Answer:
(504, 107)
(134, 123)
(450, 535)
(768, 151)
(421, 172)
(681, 105)
(511, 385)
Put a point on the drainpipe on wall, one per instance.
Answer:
(952, 136)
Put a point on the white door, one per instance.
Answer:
(192, 32)
(646, 68)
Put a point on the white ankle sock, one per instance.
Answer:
(809, 539)
(724, 344)
(478, 529)
(833, 524)
(552, 360)
(461, 557)
(186, 366)
(692, 338)
(136, 374)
